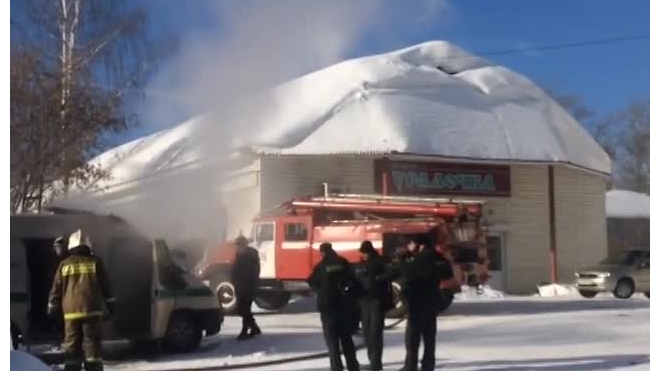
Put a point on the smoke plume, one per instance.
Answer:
(255, 46)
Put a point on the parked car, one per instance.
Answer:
(622, 275)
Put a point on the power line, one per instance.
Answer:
(559, 46)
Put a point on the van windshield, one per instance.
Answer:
(624, 258)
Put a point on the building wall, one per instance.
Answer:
(581, 222)
(241, 197)
(627, 233)
(527, 251)
(288, 176)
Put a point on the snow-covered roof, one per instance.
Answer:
(432, 98)
(627, 204)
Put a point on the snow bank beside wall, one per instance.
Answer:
(627, 204)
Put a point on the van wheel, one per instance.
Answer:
(400, 309)
(274, 300)
(624, 288)
(226, 293)
(588, 294)
(447, 297)
(183, 334)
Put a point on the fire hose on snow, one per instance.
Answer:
(274, 362)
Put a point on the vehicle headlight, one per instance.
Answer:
(577, 274)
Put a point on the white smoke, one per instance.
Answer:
(257, 45)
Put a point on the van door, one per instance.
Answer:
(294, 256)
(130, 270)
(167, 281)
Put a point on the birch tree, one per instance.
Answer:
(85, 56)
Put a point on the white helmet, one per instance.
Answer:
(78, 238)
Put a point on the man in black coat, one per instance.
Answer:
(334, 283)
(376, 300)
(421, 274)
(245, 278)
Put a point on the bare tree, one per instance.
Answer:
(601, 128)
(624, 135)
(44, 158)
(633, 166)
(75, 61)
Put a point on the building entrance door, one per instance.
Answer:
(496, 245)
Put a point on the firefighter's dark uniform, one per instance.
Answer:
(375, 301)
(329, 278)
(81, 293)
(421, 276)
(245, 278)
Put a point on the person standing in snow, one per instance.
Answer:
(81, 294)
(375, 301)
(245, 278)
(421, 276)
(334, 283)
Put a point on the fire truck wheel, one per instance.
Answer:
(400, 309)
(447, 299)
(226, 296)
(275, 300)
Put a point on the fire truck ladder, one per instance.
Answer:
(390, 204)
(376, 197)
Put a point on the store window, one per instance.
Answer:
(494, 249)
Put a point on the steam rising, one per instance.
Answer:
(257, 45)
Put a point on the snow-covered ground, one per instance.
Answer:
(499, 334)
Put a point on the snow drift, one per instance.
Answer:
(627, 204)
(432, 98)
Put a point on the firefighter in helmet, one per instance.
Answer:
(81, 294)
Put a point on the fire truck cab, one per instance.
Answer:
(288, 239)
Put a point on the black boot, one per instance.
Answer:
(255, 330)
(243, 335)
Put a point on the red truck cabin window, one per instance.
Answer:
(295, 232)
(264, 232)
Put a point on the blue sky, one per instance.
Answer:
(606, 76)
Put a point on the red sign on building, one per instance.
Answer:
(440, 178)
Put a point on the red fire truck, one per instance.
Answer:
(288, 239)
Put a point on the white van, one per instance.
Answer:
(155, 298)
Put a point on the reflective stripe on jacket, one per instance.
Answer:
(81, 288)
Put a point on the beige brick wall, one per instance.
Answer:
(287, 176)
(529, 237)
(581, 223)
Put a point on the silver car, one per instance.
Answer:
(622, 275)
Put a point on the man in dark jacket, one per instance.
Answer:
(375, 301)
(245, 278)
(81, 293)
(422, 273)
(334, 283)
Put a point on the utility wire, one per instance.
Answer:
(557, 46)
